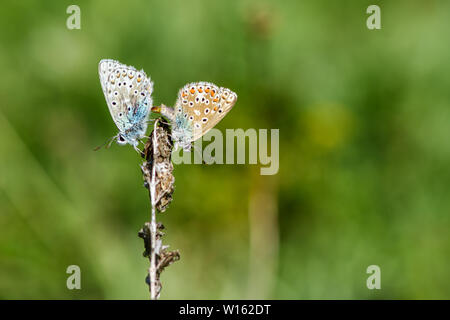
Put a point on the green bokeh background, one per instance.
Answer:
(364, 150)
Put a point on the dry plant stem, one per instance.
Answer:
(152, 270)
(157, 171)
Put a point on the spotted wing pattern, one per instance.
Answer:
(204, 104)
(127, 92)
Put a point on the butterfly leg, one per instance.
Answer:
(164, 122)
(138, 150)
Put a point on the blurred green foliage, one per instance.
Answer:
(364, 148)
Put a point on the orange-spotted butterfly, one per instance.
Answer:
(199, 107)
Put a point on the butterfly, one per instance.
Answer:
(128, 96)
(199, 107)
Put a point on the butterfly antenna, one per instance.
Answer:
(166, 112)
(111, 141)
(107, 144)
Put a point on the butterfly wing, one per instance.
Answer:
(204, 104)
(127, 92)
(105, 67)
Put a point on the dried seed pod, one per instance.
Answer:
(158, 153)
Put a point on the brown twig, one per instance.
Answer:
(159, 180)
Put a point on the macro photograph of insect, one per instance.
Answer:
(251, 150)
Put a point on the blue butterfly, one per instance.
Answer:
(128, 96)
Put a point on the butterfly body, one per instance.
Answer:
(128, 96)
(182, 132)
(199, 107)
